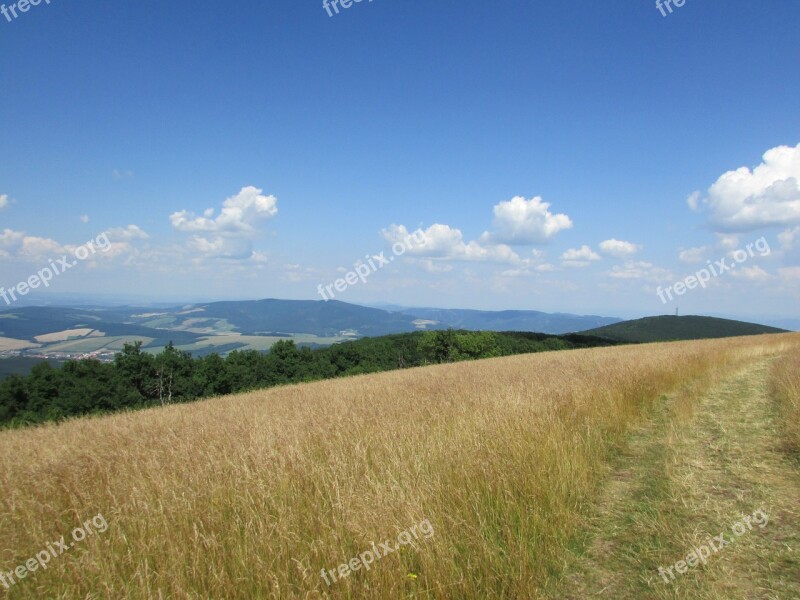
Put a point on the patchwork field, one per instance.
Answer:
(10, 344)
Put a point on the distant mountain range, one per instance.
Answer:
(267, 317)
(101, 331)
(508, 320)
(667, 328)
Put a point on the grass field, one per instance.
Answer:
(785, 388)
(553, 475)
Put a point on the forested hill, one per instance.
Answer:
(137, 379)
(668, 328)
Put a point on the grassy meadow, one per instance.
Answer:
(785, 379)
(251, 496)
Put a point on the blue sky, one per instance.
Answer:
(557, 156)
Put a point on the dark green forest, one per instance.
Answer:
(137, 379)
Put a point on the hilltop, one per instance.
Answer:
(669, 328)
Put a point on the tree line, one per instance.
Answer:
(139, 379)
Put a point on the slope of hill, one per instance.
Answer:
(465, 480)
(133, 380)
(668, 328)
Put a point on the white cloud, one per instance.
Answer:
(727, 241)
(3, 201)
(19, 246)
(580, 257)
(524, 222)
(619, 248)
(10, 239)
(84, 218)
(789, 238)
(640, 270)
(745, 200)
(16, 244)
(790, 274)
(239, 215)
(693, 255)
(432, 266)
(755, 273)
(516, 222)
(122, 174)
(298, 273)
(694, 201)
(445, 242)
(221, 247)
(37, 248)
(131, 232)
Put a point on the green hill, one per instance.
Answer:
(668, 328)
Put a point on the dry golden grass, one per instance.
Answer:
(251, 496)
(785, 388)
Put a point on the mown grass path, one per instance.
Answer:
(705, 460)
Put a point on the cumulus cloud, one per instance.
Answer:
(756, 274)
(240, 214)
(131, 232)
(579, 257)
(693, 255)
(10, 240)
(693, 201)
(221, 247)
(546, 268)
(789, 238)
(520, 222)
(516, 222)
(445, 242)
(745, 200)
(84, 218)
(20, 246)
(38, 248)
(790, 275)
(618, 248)
(640, 270)
(3, 201)
(434, 267)
(727, 241)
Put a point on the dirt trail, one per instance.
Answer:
(685, 478)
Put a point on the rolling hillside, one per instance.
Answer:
(523, 474)
(669, 328)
